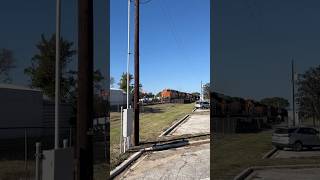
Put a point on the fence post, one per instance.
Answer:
(105, 138)
(121, 128)
(70, 136)
(25, 153)
(38, 158)
(65, 143)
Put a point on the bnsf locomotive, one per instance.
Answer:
(243, 115)
(170, 95)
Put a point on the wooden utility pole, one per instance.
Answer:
(136, 76)
(84, 149)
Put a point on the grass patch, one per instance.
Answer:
(154, 120)
(15, 169)
(234, 153)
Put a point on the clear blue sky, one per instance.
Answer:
(254, 42)
(174, 43)
(23, 22)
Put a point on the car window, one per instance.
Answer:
(284, 130)
(302, 131)
(306, 131)
(312, 131)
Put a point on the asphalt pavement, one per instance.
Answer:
(190, 162)
(185, 163)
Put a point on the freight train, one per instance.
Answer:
(244, 115)
(174, 96)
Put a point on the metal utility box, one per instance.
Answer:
(57, 164)
(127, 122)
(127, 128)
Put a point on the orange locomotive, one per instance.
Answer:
(171, 95)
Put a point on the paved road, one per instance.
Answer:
(198, 122)
(189, 162)
(281, 174)
(185, 163)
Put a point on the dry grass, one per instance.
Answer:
(234, 153)
(15, 169)
(154, 120)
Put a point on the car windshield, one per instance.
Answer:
(284, 130)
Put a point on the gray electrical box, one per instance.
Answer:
(57, 164)
(127, 122)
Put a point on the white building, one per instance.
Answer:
(23, 107)
(118, 98)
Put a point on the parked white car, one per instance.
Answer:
(296, 138)
(202, 105)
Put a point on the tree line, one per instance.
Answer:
(123, 86)
(42, 73)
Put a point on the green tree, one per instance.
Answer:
(196, 93)
(206, 91)
(159, 94)
(112, 82)
(123, 82)
(275, 102)
(149, 95)
(6, 64)
(308, 95)
(98, 81)
(42, 74)
(42, 69)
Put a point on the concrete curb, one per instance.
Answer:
(199, 142)
(176, 145)
(194, 109)
(167, 131)
(247, 172)
(167, 146)
(270, 153)
(125, 164)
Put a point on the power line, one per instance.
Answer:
(172, 28)
(142, 2)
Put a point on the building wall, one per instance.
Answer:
(22, 108)
(19, 108)
(118, 98)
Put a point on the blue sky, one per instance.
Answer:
(254, 42)
(174, 43)
(23, 22)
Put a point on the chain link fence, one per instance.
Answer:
(18, 148)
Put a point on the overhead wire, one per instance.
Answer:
(142, 2)
(172, 27)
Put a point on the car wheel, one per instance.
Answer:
(297, 146)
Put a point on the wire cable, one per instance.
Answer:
(171, 23)
(142, 2)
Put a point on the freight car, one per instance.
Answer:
(174, 96)
(244, 115)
